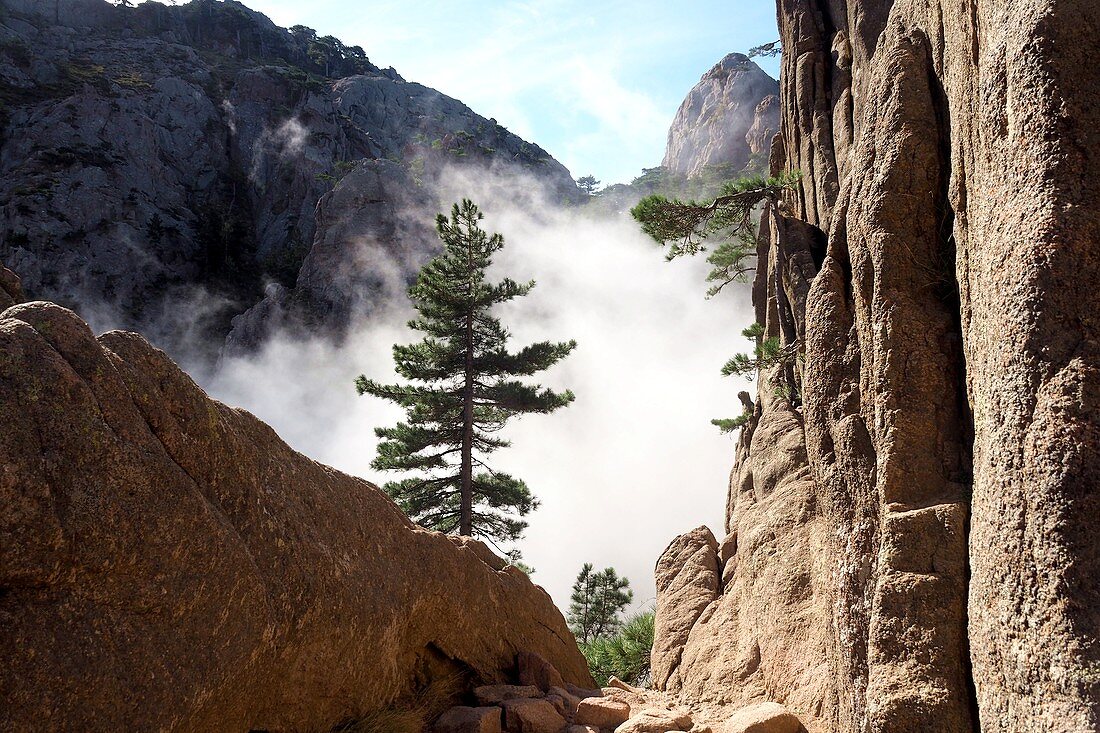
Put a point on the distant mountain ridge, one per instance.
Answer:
(727, 119)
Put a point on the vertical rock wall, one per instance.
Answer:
(936, 265)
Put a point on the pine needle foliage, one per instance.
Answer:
(624, 655)
(731, 424)
(597, 600)
(767, 353)
(766, 50)
(467, 388)
(685, 226)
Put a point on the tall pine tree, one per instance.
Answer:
(468, 391)
(597, 600)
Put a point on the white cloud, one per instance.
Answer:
(633, 462)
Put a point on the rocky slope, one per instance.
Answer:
(909, 539)
(167, 563)
(728, 119)
(162, 165)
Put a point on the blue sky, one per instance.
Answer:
(594, 82)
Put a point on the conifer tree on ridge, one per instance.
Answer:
(468, 391)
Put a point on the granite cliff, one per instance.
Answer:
(909, 540)
(163, 164)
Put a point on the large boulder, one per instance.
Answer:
(688, 581)
(167, 562)
(764, 717)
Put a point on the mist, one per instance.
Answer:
(632, 463)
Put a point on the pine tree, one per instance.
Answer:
(597, 600)
(468, 391)
(685, 226)
(588, 184)
(624, 655)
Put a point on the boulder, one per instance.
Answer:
(656, 721)
(535, 670)
(633, 699)
(169, 563)
(565, 703)
(571, 701)
(469, 720)
(496, 694)
(687, 579)
(527, 715)
(602, 712)
(617, 683)
(765, 717)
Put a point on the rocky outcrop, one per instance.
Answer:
(167, 562)
(373, 230)
(688, 580)
(157, 160)
(727, 120)
(919, 500)
(11, 290)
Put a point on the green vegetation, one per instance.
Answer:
(132, 79)
(767, 353)
(469, 391)
(339, 169)
(330, 54)
(625, 654)
(515, 561)
(766, 50)
(598, 599)
(685, 226)
(588, 184)
(612, 648)
(85, 71)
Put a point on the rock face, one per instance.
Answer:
(910, 540)
(167, 562)
(163, 160)
(11, 290)
(727, 120)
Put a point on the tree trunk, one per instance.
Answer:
(466, 498)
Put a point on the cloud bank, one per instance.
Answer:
(632, 463)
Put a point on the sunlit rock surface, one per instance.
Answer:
(911, 541)
(168, 563)
(728, 120)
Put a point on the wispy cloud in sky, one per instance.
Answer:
(596, 84)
